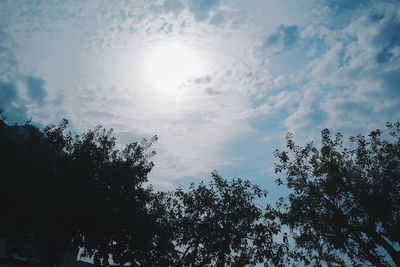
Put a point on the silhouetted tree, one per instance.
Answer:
(220, 224)
(344, 198)
(59, 192)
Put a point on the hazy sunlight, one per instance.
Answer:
(168, 65)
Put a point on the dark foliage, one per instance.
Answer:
(345, 198)
(220, 224)
(59, 191)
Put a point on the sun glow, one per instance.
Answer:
(169, 65)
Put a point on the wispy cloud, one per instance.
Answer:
(346, 76)
(270, 67)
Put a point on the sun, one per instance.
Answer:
(169, 65)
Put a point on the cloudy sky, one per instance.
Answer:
(219, 81)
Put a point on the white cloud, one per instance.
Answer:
(94, 75)
(289, 59)
(345, 84)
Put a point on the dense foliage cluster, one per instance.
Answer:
(59, 192)
(345, 198)
(220, 224)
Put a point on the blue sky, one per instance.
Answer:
(220, 82)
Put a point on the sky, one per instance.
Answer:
(219, 82)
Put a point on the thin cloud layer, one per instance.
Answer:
(344, 77)
(258, 69)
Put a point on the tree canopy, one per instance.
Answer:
(60, 191)
(221, 224)
(345, 198)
